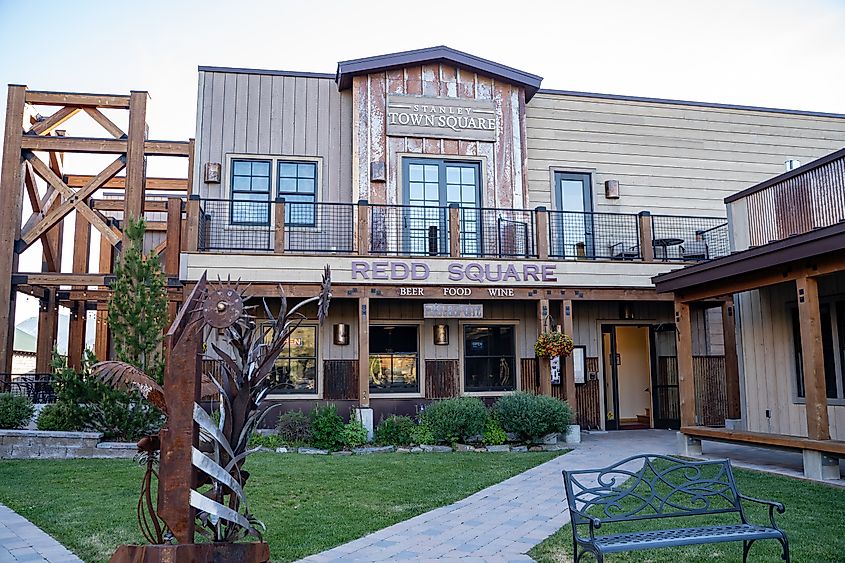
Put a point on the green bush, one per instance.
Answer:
(455, 420)
(395, 431)
(58, 417)
(422, 434)
(494, 434)
(354, 434)
(326, 428)
(294, 428)
(271, 441)
(15, 411)
(532, 416)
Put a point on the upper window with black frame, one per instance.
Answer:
(394, 359)
(489, 358)
(295, 370)
(250, 192)
(298, 186)
(571, 223)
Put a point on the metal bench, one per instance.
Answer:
(649, 487)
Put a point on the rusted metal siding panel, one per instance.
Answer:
(360, 136)
(377, 129)
(340, 380)
(441, 379)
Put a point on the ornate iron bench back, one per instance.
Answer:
(651, 486)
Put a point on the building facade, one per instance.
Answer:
(463, 210)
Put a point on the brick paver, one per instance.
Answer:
(503, 522)
(21, 541)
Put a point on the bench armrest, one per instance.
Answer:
(595, 523)
(773, 505)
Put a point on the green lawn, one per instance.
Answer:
(813, 521)
(309, 503)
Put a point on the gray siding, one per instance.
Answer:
(276, 115)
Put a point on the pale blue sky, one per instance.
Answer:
(764, 52)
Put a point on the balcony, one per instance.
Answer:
(430, 231)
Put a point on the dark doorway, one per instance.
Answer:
(665, 392)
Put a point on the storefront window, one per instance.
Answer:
(489, 358)
(296, 368)
(394, 359)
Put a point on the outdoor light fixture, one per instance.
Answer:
(211, 172)
(341, 334)
(441, 335)
(611, 189)
(625, 311)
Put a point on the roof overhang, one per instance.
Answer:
(442, 54)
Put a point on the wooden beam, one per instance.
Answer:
(76, 99)
(815, 388)
(40, 207)
(542, 221)
(192, 232)
(363, 228)
(118, 183)
(76, 335)
(544, 366)
(117, 205)
(11, 194)
(279, 226)
(48, 324)
(99, 145)
(732, 391)
(105, 122)
(133, 207)
(364, 351)
(60, 278)
(646, 238)
(567, 313)
(49, 124)
(81, 245)
(168, 148)
(174, 237)
(454, 230)
(686, 381)
(835, 447)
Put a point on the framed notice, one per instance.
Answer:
(579, 361)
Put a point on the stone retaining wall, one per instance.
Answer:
(37, 444)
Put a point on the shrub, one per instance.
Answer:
(58, 416)
(326, 428)
(494, 435)
(422, 434)
(532, 416)
(354, 434)
(294, 427)
(455, 420)
(15, 410)
(395, 431)
(269, 441)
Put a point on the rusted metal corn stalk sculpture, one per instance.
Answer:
(202, 492)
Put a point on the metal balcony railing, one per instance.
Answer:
(689, 239)
(38, 387)
(578, 235)
(408, 230)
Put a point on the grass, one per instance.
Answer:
(813, 524)
(309, 503)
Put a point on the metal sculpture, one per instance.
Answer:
(201, 489)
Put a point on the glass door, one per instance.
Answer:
(572, 227)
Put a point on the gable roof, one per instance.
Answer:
(440, 54)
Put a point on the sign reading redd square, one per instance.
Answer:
(444, 118)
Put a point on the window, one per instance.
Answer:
(298, 186)
(394, 359)
(435, 184)
(295, 371)
(832, 318)
(250, 192)
(489, 358)
(571, 222)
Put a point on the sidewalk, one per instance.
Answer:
(21, 541)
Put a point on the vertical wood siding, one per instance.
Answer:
(340, 380)
(441, 379)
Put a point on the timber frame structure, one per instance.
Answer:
(32, 167)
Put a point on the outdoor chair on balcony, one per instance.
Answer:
(624, 251)
(694, 250)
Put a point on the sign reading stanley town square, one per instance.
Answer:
(446, 118)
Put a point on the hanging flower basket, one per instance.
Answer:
(551, 344)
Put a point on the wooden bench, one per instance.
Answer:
(650, 487)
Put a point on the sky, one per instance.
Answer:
(770, 53)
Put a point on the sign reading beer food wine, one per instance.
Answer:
(445, 118)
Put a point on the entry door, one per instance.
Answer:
(574, 195)
(430, 186)
(611, 377)
(665, 391)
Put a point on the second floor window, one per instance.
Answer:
(250, 192)
(253, 191)
(298, 186)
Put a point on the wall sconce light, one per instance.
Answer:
(341, 334)
(611, 189)
(211, 173)
(441, 335)
(626, 311)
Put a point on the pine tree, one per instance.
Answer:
(138, 306)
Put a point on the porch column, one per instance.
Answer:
(686, 383)
(734, 409)
(81, 254)
(364, 351)
(544, 366)
(48, 324)
(815, 391)
(566, 314)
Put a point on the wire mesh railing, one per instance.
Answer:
(488, 232)
(235, 225)
(37, 387)
(412, 230)
(689, 239)
(320, 227)
(589, 236)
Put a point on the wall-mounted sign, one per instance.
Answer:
(555, 363)
(445, 118)
(487, 272)
(452, 311)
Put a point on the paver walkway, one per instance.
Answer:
(502, 522)
(21, 541)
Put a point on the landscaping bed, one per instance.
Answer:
(309, 503)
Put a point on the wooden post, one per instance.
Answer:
(686, 381)
(174, 246)
(11, 194)
(567, 314)
(48, 324)
(81, 254)
(734, 408)
(279, 230)
(102, 336)
(544, 366)
(363, 227)
(192, 233)
(646, 238)
(454, 230)
(815, 389)
(542, 234)
(364, 351)
(133, 203)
